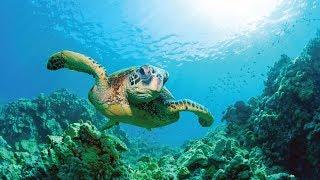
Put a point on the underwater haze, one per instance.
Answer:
(217, 53)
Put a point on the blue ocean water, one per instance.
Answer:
(216, 52)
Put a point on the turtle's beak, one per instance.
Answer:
(156, 84)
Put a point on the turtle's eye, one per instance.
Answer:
(141, 71)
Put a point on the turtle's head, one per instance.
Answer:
(146, 82)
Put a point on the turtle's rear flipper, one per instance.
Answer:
(109, 125)
(205, 117)
(78, 62)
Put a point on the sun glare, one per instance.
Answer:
(231, 14)
(245, 9)
(201, 20)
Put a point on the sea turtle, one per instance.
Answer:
(135, 95)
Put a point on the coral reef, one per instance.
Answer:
(81, 152)
(284, 121)
(84, 152)
(215, 156)
(272, 136)
(25, 127)
(33, 120)
(45, 115)
(139, 148)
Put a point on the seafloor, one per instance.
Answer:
(273, 136)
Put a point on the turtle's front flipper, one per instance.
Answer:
(78, 62)
(205, 117)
